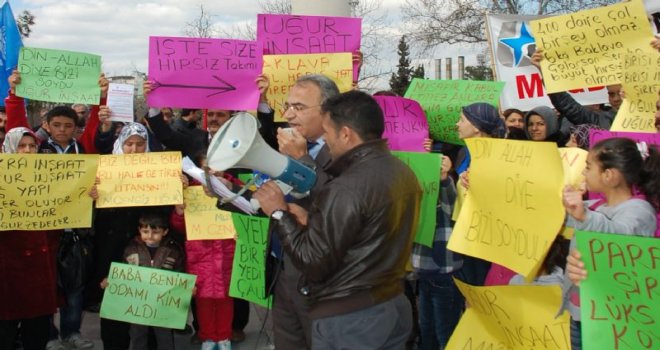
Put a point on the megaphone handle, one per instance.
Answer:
(255, 204)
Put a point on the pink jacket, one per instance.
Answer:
(210, 260)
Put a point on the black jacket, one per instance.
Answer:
(361, 225)
(577, 114)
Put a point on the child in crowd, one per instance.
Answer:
(211, 261)
(615, 168)
(153, 247)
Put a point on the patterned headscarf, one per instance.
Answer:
(14, 136)
(485, 118)
(127, 131)
(581, 134)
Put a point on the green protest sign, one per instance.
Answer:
(426, 167)
(59, 76)
(147, 296)
(620, 299)
(248, 274)
(442, 101)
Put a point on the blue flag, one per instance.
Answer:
(10, 46)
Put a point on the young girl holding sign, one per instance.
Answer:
(211, 260)
(615, 167)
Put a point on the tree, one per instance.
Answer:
(201, 26)
(401, 79)
(481, 71)
(434, 22)
(418, 72)
(25, 21)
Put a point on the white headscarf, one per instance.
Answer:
(127, 131)
(13, 138)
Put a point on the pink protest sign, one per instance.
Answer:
(405, 123)
(651, 138)
(291, 34)
(204, 73)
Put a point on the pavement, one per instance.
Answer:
(258, 336)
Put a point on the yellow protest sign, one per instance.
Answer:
(139, 179)
(203, 219)
(513, 318)
(573, 161)
(585, 49)
(46, 191)
(513, 210)
(284, 70)
(461, 192)
(641, 83)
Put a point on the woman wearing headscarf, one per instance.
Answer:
(115, 227)
(440, 302)
(28, 291)
(542, 124)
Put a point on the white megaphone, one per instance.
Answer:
(238, 145)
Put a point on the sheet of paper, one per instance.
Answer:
(120, 102)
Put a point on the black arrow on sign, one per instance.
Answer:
(221, 89)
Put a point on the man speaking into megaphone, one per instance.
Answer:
(353, 242)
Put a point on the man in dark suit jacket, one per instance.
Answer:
(303, 141)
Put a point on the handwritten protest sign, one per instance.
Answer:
(33, 194)
(294, 34)
(204, 72)
(405, 123)
(59, 76)
(585, 49)
(641, 83)
(147, 296)
(442, 101)
(573, 160)
(203, 219)
(511, 317)
(139, 179)
(619, 299)
(596, 136)
(426, 167)
(249, 270)
(284, 70)
(120, 102)
(513, 209)
(510, 43)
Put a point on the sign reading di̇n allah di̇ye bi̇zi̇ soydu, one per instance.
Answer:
(513, 210)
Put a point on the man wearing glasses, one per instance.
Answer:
(303, 141)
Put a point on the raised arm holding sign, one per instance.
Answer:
(293, 34)
(204, 73)
(59, 76)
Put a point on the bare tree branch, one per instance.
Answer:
(433, 22)
(201, 26)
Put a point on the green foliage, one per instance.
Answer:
(401, 79)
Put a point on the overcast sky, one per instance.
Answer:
(118, 30)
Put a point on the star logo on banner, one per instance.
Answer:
(517, 44)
